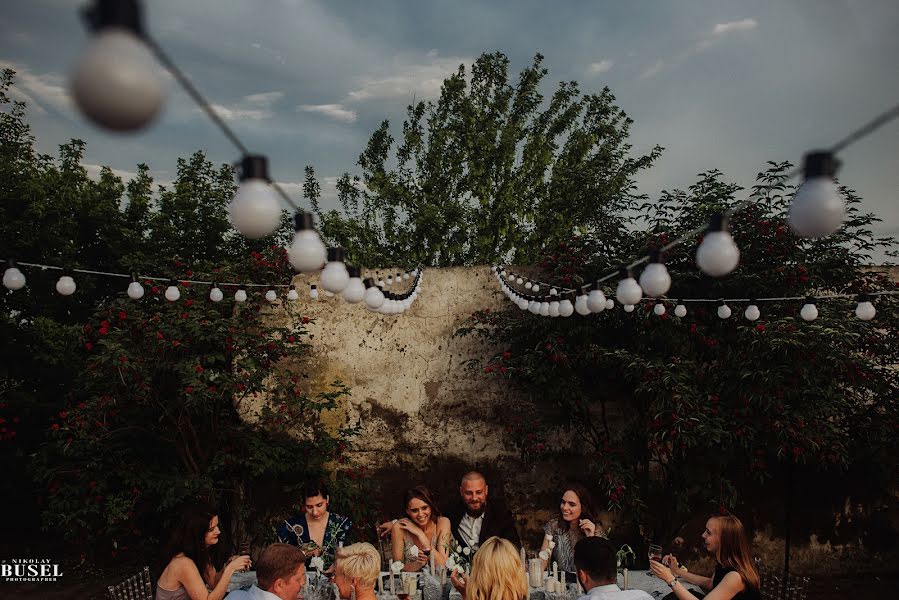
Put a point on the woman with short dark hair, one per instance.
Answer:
(317, 531)
(190, 573)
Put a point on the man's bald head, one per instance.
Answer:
(473, 490)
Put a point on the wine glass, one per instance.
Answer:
(243, 549)
(655, 553)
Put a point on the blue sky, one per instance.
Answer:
(720, 84)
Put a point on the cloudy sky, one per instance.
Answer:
(725, 84)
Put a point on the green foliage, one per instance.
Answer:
(112, 411)
(675, 413)
(489, 171)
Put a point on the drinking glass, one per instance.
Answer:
(655, 553)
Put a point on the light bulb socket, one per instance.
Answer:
(655, 256)
(717, 222)
(399, 276)
(133, 277)
(820, 163)
(810, 300)
(752, 302)
(214, 285)
(864, 298)
(625, 273)
(721, 302)
(114, 13)
(303, 220)
(10, 263)
(389, 295)
(173, 282)
(353, 270)
(312, 286)
(254, 166)
(368, 282)
(292, 287)
(336, 254)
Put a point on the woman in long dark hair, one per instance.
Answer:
(735, 578)
(577, 519)
(422, 532)
(189, 572)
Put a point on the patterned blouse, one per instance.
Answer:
(565, 540)
(295, 531)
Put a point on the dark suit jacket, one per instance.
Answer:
(498, 521)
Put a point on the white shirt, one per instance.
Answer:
(254, 593)
(470, 528)
(613, 592)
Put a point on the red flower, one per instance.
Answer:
(241, 387)
(189, 390)
(88, 346)
(189, 273)
(55, 426)
(159, 335)
(188, 303)
(488, 369)
(507, 355)
(63, 414)
(291, 338)
(103, 331)
(184, 315)
(199, 369)
(104, 324)
(176, 343)
(185, 283)
(92, 484)
(760, 327)
(122, 315)
(155, 289)
(305, 320)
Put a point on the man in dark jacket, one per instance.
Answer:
(474, 519)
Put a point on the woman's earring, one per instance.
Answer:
(353, 592)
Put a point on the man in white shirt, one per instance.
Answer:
(595, 561)
(280, 574)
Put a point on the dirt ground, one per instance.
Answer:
(824, 588)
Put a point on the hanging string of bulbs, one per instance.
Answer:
(117, 85)
(563, 302)
(346, 282)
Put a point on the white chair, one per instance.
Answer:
(136, 587)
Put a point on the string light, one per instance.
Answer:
(215, 294)
(865, 309)
(292, 294)
(752, 312)
(581, 305)
(809, 310)
(116, 82)
(818, 208)
(313, 291)
(724, 311)
(271, 295)
(374, 297)
(655, 279)
(596, 300)
(13, 278)
(628, 291)
(717, 255)
(135, 289)
(680, 310)
(629, 308)
(240, 295)
(307, 252)
(66, 285)
(659, 309)
(255, 210)
(334, 277)
(172, 293)
(354, 291)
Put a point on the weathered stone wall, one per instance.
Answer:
(426, 418)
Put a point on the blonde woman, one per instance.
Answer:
(356, 569)
(496, 573)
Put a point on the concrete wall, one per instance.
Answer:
(427, 418)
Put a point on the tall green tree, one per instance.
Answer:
(489, 171)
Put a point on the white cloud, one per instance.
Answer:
(602, 66)
(653, 70)
(237, 113)
(93, 171)
(40, 91)
(742, 25)
(338, 112)
(264, 98)
(422, 80)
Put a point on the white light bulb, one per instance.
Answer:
(717, 255)
(610, 304)
(13, 278)
(255, 210)
(354, 291)
(544, 309)
(659, 309)
(519, 281)
(240, 295)
(724, 311)
(655, 279)
(292, 294)
(596, 301)
(865, 310)
(553, 292)
(405, 276)
(535, 288)
(566, 308)
(528, 285)
(818, 208)
(534, 307)
(809, 311)
(581, 306)
(680, 310)
(135, 290)
(271, 295)
(313, 292)
(522, 303)
(66, 285)
(389, 280)
(629, 308)
(172, 293)
(554, 309)
(373, 297)
(116, 82)
(628, 291)
(380, 283)
(752, 312)
(334, 276)
(215, 294)
(329, 293)
(307, 252)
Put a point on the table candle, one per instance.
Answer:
(392, 583)
(431, 563)
(443, 576)
(555, 570)
(524, 562)
(625, 578)
(535, 572)
(563, 580)
(380, 585)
